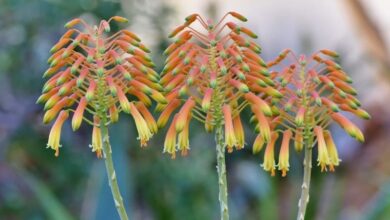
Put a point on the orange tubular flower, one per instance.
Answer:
(323, 157)
(55, 132)
(170, 139)
(95, 74)
(239, 132)
(97, 143)
(216, 72)
(284, 163)
(332, 151)
(141, 125)
(183, 141)
(258, 144)
(315, 91)
(230, 138)
(269, 158)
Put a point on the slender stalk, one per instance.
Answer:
(307, 164)
(112, 180)
(221, 168)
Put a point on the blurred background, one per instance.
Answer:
(36, 185)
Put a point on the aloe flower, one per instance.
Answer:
(316, 92)
(211, 75)
(93, 74)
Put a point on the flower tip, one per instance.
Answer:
(72, 23)
(53, 49)
(359, 136)
(191, 17)
(176, 31)
(365, 115)
(120, 19)
(238, 16)
(330, 53)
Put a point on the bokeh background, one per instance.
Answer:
(36, 185)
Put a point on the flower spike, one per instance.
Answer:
(311, 94)
(93, 75)
(316, 92)
(214, 74)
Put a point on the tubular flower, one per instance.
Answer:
(93, 74)
(142, 127)
(284, 163)
(334, 159)
(323, 157)
(258, 144)
(239, 132)
(97, 143)
(316, 92)
(230, 138)
(183, 141)
(55, 132)
(269, 158)
(213, 74)
(170, 139)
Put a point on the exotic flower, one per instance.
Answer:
(55, 132)
(93, 75)
(269, 158)
(284, 163)
(216, 73)
(97, 145)
(314, 91)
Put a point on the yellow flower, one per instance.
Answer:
(183, 114)
(230, 138)
(332, 151)
(258, 144)
(284, 164)
(97, 145)
(269, 158)
(239, 132)
(323, 157)
(263, 124)
(55, 132)
(144, 133)
(170, 139)
(183, 141)
(78, 114)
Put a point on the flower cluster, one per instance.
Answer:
(216, 72)
(93, 72)
(315, 91)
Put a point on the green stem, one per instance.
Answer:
(221, 168)
(112, 180)
(307, 164)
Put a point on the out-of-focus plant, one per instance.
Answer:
(91, 75)
(315, 92)
(216, 72)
